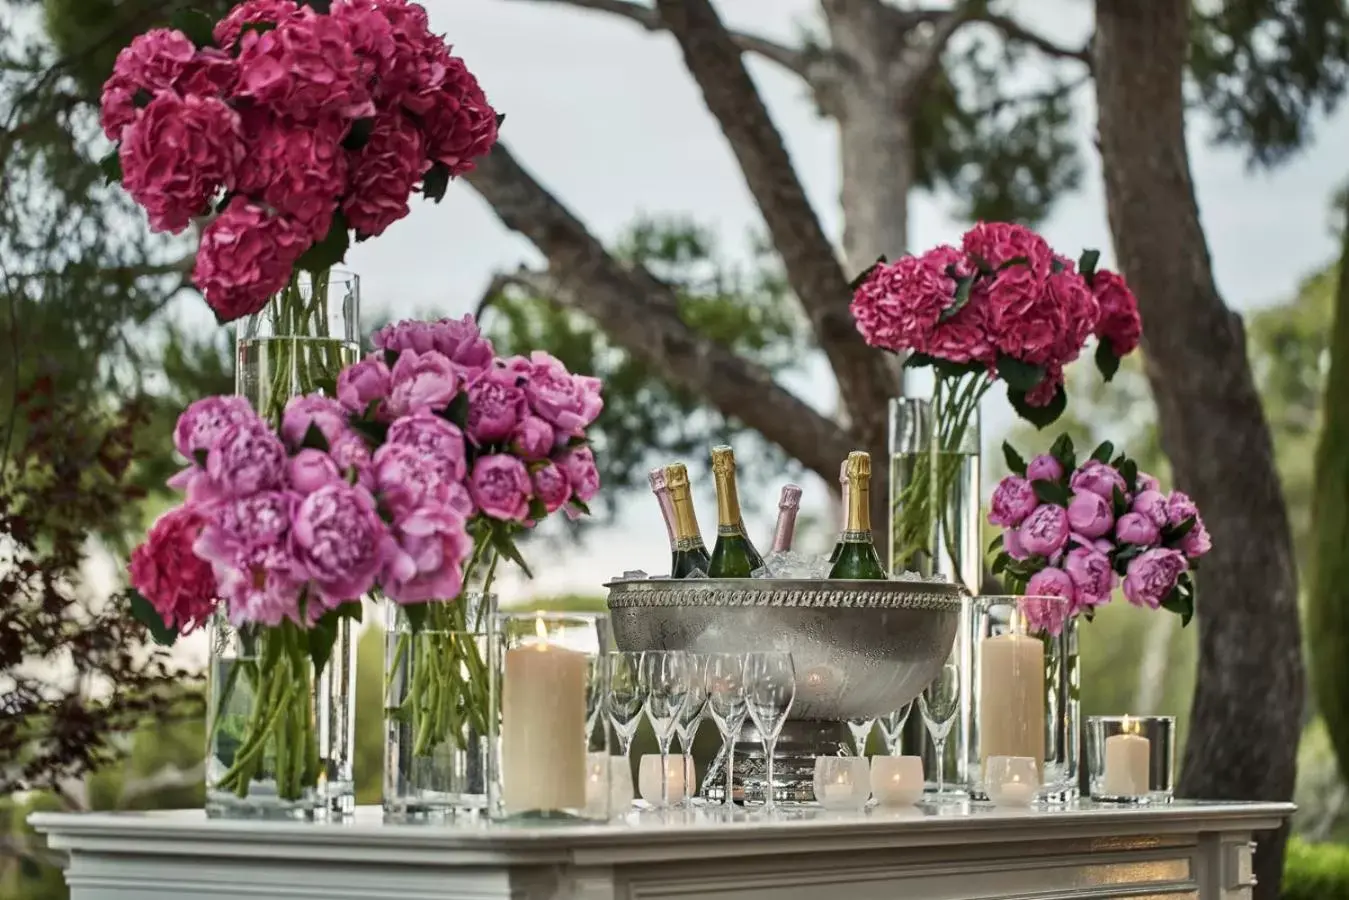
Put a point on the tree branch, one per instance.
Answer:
(918, 61)
(792, 59)
(1015, 31)
(813, 270)
(640, 313)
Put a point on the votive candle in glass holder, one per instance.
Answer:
(897, 780)
(681, 774)
(548, 685)
(1012, 780)
(1131, 759)
(842, 782)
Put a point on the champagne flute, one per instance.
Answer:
(892, 727)
(623, 697)
(770, 688)
(691, 716)
(727, 703)
(938, 704)
(665, 683)
(861, 730)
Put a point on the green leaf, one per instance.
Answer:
(962, 297)
(538, 510)
(196, 25)
(1020, 376)
(918, 361)
(579, 505)
(1015, 261)
(145, 613)
(1039, 416)
(1119, 502)
(1102, 453)
(329, 251)
(1107, 363)
(1051, 492)
(501, 119)
(995, 544)
(391, 358)
(865, 274)
(1014, 460)
(200, 457)
(1126, 555)
(435, 182)
(1057, 266)
(1128, 470)
(1000, 564)
(322, 636)
(415, 613)
(111, 167)
(1175, 533)
(1063, 450)
(256, 28)
(355, 611)
(359, 134)
(577, 440)
(373, 432)
(457, 411)
(1086, 264)
(314, 439)
(141, 98)
(322, 7)
(1180, 601)
(505, 545)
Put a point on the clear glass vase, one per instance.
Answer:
(438, 754)
(281, 727)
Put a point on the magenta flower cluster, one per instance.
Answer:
(432, 445)
(286, 127)
(1003, 302)
(1075, 531)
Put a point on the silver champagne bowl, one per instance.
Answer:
(861, 648)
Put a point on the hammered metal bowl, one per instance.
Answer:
(862, 648)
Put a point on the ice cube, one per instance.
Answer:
(762, 572)
(635, 575)
(697, 573)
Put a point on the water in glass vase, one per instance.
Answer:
(929, 532)
(271, 370)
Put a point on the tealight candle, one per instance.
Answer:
(1127, 756)
(897, 780)
(608, 781)
(1012, 780)
(841, 782)
(680, 773)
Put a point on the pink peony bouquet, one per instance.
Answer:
(432, 457)
(1075, 531)
(285, 127)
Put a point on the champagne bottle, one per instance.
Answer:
(857, 558)
(843, 494)
(688, 559)
(785, 530)
(733, 556)
(656, 478)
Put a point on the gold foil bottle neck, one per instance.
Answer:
(723, 460)
(858, 466)
(676, 476)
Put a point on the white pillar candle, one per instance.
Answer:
(897, 780)
(543, 714)
(681, 776)
(1012, 697)
(1127, 757)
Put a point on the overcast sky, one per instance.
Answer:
(606, 116)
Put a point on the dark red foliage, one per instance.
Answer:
(77, 672)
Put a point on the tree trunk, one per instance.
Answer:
(1249, 692)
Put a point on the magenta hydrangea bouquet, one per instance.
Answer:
(285, 128)
(1075, 531)
(1002, 306)
(433, 456)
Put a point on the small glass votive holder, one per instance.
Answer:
(897, 780)
(1131, 759)
(608, 785)
(1012, 780)
(842, 782)
(681, 774)
(548, 684)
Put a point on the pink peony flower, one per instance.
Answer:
(1148, 482)
(1135, 528)
(252, 12)
(1093, 578)
(408, 478)
(264, 588)
(178, 155)
(246, 255)
(533, 439)
(363, 383)
(1196, 542)
(570, 403)
(551, 485)
(322, 412)
(383, 174)
(1119, 321)
(1152, 575)
(1013, 500)
(995, 244)
(1044, 468)
(433, 544)
(179, 585)
(1045, 530)
(460, 124)
(341, 542)
(1011, 542)
(206, 419)
(299, 171)
(900, 303)
(496, 405)
(1179, 507)
(239, 525)
(352, 455)
(461, 340)
(151, 64)
(421, 381)
(1098, 478)
(309, 470)
(500, 487)
(1045, 616)
(1152, 505)
(304, 68)
(1089, 515)
(436, 439)
(579, 465)
(406, 335)
(247, 458)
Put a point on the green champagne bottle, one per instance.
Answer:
(843, 494)
(857, 558)
(688, 556)
(733, 556)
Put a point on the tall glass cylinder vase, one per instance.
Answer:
(281, 723)
(438, 757)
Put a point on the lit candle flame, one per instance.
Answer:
(542, 634)
(1129, 726)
